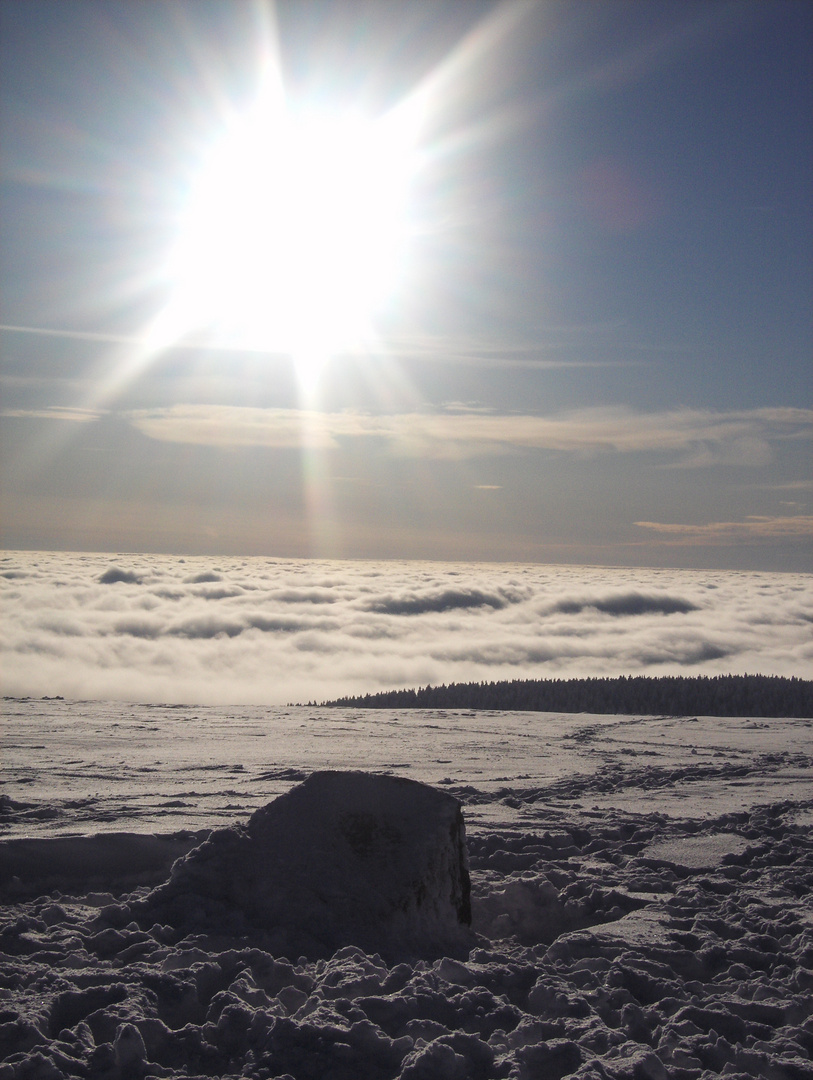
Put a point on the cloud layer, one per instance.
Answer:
(162, 628)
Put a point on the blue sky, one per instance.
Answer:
(597, 344)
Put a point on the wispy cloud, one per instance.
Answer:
(557, 351)
(55, 412)
(753, 528)
(72, 335)
(698, 437)
(562, 348)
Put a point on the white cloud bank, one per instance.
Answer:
(267, 631)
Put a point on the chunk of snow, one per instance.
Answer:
(343, 858)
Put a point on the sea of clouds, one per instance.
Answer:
(274, 631)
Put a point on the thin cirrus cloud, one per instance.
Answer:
(55, 412)
(754, 528)
(701, 437)
(258, 630)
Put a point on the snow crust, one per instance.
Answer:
(76, 767)
(637, 916)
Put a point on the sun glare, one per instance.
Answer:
(293, 233)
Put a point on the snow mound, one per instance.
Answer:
(345, 858)
(114, 860)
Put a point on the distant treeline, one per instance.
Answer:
(673, 695)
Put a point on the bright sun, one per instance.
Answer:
(293, 233)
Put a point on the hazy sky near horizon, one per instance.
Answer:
(518, 281)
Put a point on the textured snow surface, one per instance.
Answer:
(639, 910)
(85, 766)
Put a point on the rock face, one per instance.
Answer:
(345, 858)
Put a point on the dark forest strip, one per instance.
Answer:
(675, 695)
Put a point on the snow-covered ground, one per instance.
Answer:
(640, 892)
